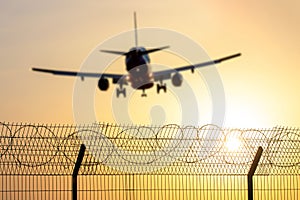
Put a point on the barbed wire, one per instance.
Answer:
(35, 149)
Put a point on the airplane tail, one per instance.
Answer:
(136, 44)
(135, 30)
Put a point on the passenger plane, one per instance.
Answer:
(139, 75)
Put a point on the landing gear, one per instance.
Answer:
(144, 94)
(161, 86)
(121, 91)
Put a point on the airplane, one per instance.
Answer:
(139, 73)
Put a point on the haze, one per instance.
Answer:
(261, 87)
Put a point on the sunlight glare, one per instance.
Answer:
(233, 143)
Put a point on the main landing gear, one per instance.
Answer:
(161, 86)
(121, 90)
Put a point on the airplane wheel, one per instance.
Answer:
(159, 87)
(121, 91)
(144, 94)
(165, 88)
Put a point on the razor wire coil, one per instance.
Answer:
(34, 149)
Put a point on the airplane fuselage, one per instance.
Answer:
(139, 69)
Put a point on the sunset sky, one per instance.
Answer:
(262, 88)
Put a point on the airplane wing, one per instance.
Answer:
(166, 74)
(158, 76)
(115, 77)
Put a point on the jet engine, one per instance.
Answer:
(177, 80)
(103, 84)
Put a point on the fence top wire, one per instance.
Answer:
(35, 149)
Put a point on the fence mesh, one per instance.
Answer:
(142, 162)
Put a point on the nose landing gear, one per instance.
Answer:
(144, 93)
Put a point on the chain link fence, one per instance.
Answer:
(37, 161)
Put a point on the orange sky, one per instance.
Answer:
(261, 87)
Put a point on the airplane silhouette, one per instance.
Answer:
(139, 75)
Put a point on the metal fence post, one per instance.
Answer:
(76, 170)
(252, 171)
